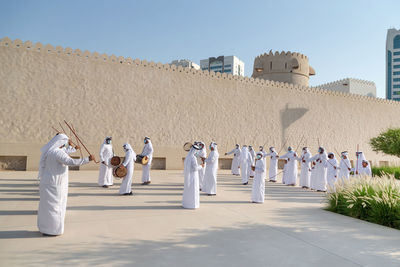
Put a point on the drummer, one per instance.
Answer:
(130, 157)
(147, 152)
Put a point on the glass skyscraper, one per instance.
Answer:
(393, 64)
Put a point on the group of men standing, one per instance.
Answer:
(200, 174)
(106, 169)
(319, 172)
(53, 177)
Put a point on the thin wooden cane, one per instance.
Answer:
(80, 150)
(87, 150)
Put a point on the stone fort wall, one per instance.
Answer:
(128, 99)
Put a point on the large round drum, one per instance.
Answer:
(120, 171)
(142, 159)
(115, 161)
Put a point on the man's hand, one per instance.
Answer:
(226, 154)
(69, 142)
(349, 169)
(77, 147)
(91, 157)
(103, 162)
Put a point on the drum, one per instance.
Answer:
(115, 161)
(142, 159)
(120, 171)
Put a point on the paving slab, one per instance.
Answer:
(151, 228)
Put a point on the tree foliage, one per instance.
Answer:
(387, 142)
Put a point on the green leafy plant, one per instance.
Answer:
(386, 171)
(375, 200)
(387, 142)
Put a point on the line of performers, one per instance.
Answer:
(200, 173)
(319, 172)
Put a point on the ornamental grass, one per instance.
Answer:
(376, 200)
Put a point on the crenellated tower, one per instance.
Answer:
(289, 67)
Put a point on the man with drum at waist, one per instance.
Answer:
(148, 152)
(105, 172)
(130, 157)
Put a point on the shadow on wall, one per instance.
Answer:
(288, 116)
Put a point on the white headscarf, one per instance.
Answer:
(105, 139)
(56, 142)
(127, 147)
(214, 145)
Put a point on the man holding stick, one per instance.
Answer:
(53, 174)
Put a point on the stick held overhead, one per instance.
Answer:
(87, 150)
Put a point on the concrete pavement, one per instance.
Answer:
(151, 229)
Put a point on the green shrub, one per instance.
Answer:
(375, 200)
(386, 171)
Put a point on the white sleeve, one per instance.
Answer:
(65, 159)
(128, 158)
(230, 152)
(101, 153)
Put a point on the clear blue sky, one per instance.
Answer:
(341, 38)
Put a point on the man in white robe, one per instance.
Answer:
(53, 174)
(273, 164)
(313, 175)
(245, 162)
(253, 160)
(130, 157)
(235, 167)
(291, 168)
(320, 170)
(105, 173)
(210, 177)
(365, 169)
(344, 167)
(201, 156)
(147, 151)
(358, 166)
(305, 168)
(258, 188)
(332, 170)
(191, 194)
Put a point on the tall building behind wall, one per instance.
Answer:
(393, 64)
(222, 64)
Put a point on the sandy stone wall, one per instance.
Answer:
(129, 99)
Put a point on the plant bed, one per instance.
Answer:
(375, 200)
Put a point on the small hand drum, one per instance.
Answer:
(187, 146)
(142, 159)
(115, 161)
(120, 171)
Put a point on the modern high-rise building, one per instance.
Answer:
(222, 64)
(185, 63)
(393, 64)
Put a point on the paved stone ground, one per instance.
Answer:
(151, 229)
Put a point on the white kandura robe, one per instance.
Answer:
(54, 191)
(358, 164)
(105, 171)
(331, 175)
(201, 154)
(253, 159)
(245, 161)
(147, 151)
(235, 161)
(344, 172)
(210, 177)
(284, 173)
(258, 188)
(126, 185)
(366, 170)
(305, 169)
(320, 170)
(191, 192)
(291, 168)
(273, 165)
(313, 175)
